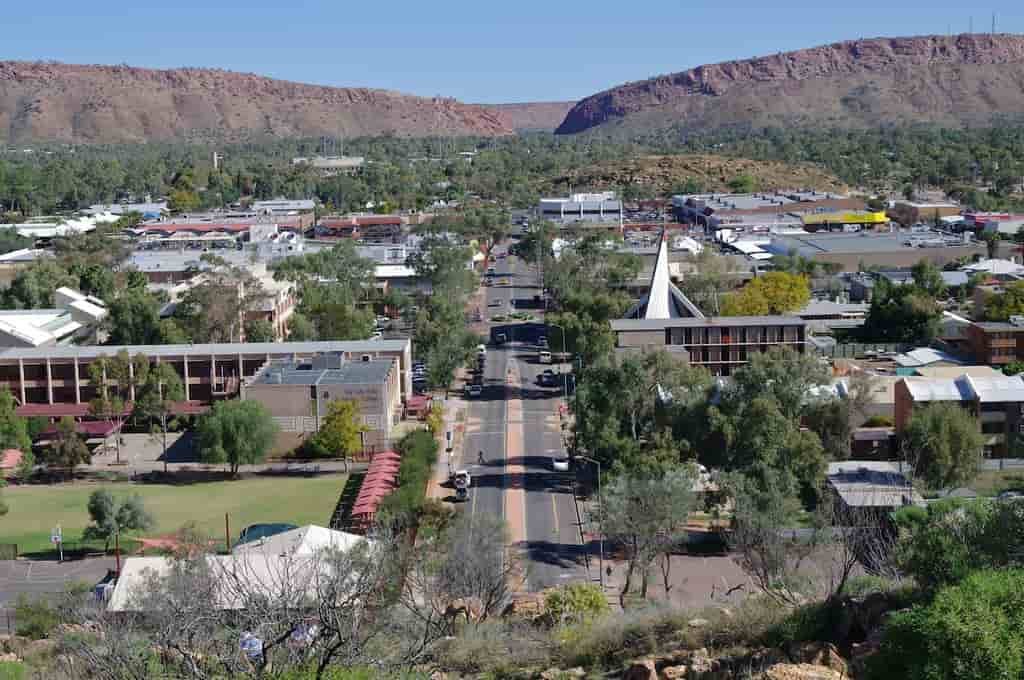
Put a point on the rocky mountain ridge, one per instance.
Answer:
(527, 116)
(968, 78)
(109, 104)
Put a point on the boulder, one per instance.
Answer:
(801, 671)
(698, 623)
(675, 672)
(641, 669)
(701, 661)
(9, 657)
(818, 654)
(560, 674)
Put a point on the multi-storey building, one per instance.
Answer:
(997, 402)
(666, 319)
(997, 342)
(54, 381)
(298, 393)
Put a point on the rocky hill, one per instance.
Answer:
(661, 175)
(532, 115)
(948, 80)
(93, 104)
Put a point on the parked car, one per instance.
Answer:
(474, 390)
(560, 464)
(544, 357)
(548, 378)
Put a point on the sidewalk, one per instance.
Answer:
(455, 422)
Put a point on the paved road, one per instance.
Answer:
(515, 422)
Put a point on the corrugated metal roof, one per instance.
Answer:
(205, 350)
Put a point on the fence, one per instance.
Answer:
(855, 350)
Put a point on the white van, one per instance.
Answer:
(544, 357)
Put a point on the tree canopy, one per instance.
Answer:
(236, 432)
(943, 444)
(772, 293)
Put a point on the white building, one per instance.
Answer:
(75, 317)
(281, 206)
(599, 207)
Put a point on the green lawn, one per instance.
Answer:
(34, 510)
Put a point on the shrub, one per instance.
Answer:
(879, 421)
(498, 649)
(575, 603)
(971, 631)
(419, 454)
(607, 641)
(11, 670)
(34, 619)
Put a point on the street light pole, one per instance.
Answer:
(600, 512)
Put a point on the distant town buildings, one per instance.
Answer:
(596, 208)
(75, 318)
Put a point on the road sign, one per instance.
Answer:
(56, 535)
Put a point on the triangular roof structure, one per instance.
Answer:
(305, 541)
(664, 300)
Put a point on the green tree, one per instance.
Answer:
(155, 396)
(772, 293)
(236, 432)
(901, 314)
(13, 428)
(1010, 302)
(11, 240)
(940, 544)
(943, 445)
(991, 239)
(646, 515)
(928, 278)
(109, 519)
(134, 319)
(259, 330)
(743, 184)
(67, 448)
(183, 200)
(342, 429)
(972, 631)
(300, 328)
(113, 377)
(34, 286)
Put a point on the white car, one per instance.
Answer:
(481, 349)
(560, 464)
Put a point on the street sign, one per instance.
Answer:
(56, 535)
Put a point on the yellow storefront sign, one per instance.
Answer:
(846, 218)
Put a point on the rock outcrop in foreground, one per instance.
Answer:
(108, 104)
(949, 80)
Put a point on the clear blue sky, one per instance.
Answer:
(474, 50)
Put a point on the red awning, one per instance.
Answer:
(89, 428)
(61, 409)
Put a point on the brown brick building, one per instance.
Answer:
(996, 342)
(996, 402)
